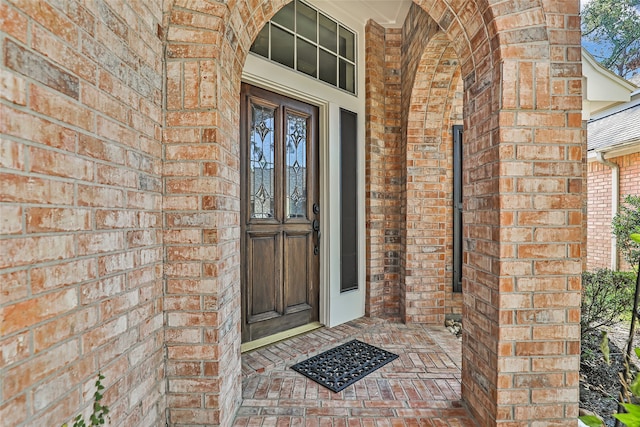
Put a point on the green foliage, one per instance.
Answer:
(99, 411)
(604, 347)
(614, 25)
(625, 224)
(591, 420)
(606, 296)
(632, 417)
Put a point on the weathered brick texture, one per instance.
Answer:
(385, 176)
(80, 203)
(432, 104)
(375, 173)
(599, 206)
(409, 159)
(119, 201)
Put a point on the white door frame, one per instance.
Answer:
(335, 307)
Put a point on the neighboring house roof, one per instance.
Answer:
(615, 129)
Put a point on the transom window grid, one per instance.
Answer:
(304, 39)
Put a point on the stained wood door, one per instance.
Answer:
(280, 214)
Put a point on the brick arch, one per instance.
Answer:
(468, 26)
(435, 105)
(513, 126)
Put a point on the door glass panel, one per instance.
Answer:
(348, 201)
(307, 61)
(286, 16)
(328, 33)
(347, 44)
(328, 67)
(296, 166)
(261, 162)
(307, 22)
(282, 46)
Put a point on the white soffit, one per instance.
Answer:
(602, 84)
(388, 13)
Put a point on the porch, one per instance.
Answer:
(420, 388)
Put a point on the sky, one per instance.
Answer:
(595, 48)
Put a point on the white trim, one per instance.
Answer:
(608, 74)
(630, 147)
(335, 307)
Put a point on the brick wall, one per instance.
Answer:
(409, 163)
(599, 212)
(432, 94)
(85, 157)
(384, 176)
(599, 207)
(80, 202)
(629, 173)
(374, 172)
(206, 45)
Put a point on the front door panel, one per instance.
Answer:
(279, 186)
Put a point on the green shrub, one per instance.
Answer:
(606, 296)
(626, 222)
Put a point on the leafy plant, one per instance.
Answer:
(606, 295)
(614, 26)
(99, 411)
(591, 420)
(625, 223)
(631, 415)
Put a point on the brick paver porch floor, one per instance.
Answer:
(420, 388)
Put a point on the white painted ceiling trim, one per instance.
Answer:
(388, 13)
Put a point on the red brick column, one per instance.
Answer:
(375, 173)
(524, 154)
(201, 217)
(80, 199)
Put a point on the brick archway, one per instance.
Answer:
(521, 308)
(435, 105)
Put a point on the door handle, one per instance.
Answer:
(316, 229)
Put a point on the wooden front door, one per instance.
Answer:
(280, 214)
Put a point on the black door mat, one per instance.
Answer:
(342, 366)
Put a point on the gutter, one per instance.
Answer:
(615, 197)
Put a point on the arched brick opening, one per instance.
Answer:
(521, 307)
(435, 105)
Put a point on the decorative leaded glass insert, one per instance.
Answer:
(296, 166)
(262, 161)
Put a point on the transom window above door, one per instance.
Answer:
(305, 39)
